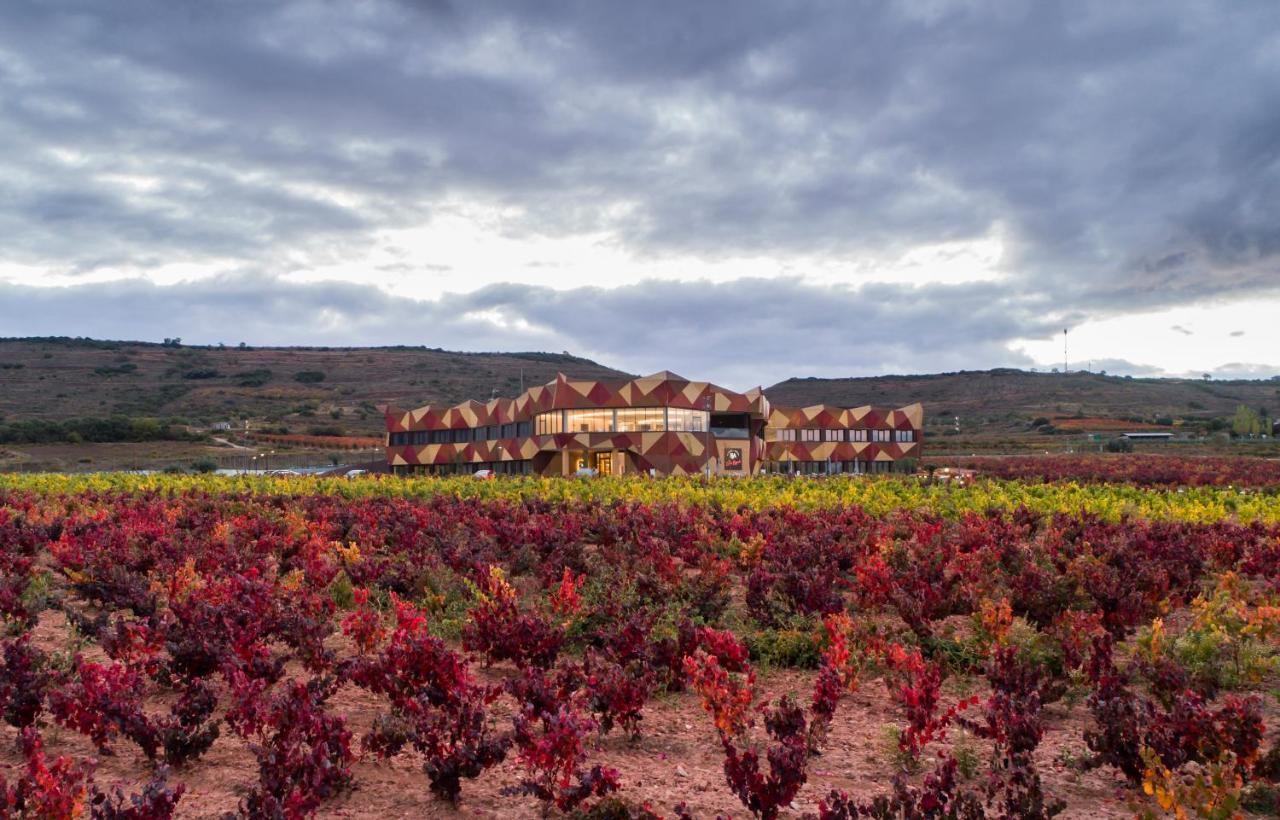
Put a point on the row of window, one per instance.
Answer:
(622, 420)
(832, 467)
(630, 420)
(815, 434)
(463, 435)
(496, 467)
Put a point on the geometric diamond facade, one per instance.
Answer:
(661, 424)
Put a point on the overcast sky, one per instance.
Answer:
(731, 190)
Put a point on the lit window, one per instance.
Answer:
(690, 421)
(550, 423)
(589, 421)
(639, 419)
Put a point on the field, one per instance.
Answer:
(195, 646)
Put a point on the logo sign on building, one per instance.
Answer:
(733, 458)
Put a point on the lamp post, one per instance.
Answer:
(706, 402)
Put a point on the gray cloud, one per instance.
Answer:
(1128, 153)
(1124, 367)
(1246, 370)
(742, 333)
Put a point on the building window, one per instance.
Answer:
(589, 421)
(833, 435)
(881, 435)
(550, 423)
(904, 435)
(639, 419)
(524, 429)
(786, 434)
(810, 434)
(857, 435)
(689, 421)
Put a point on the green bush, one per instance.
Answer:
(75, 431)
(801, 649)
(204, 465)
(308, 376)
(108, 370)
(253, 378)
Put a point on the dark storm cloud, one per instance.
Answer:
(1127, 153)
(741, 333)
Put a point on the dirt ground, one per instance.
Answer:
(677, 758)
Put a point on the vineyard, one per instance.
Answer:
(1142, 470)
(842, 648)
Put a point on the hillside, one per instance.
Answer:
(993, 399)
(59, 378)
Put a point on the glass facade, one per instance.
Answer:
(547, 424)
(690, 421)
(640, 419)
(622, 420)
(589, 421)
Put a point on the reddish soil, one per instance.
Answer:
(677, 758)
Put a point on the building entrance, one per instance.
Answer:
(603, 463)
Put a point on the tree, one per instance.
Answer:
(1246, 422)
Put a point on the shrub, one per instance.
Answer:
(435, 706)
(23, 681)
(552, 751)
(46, 789)
(204, 465)
(103, 703)
(309, 376)
(303, 752)
(496, 627)
(156, 801)
(253, 378)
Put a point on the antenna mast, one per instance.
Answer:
(1064, 350)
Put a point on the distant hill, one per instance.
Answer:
(1011, 398)
(303, 388)
(59, 378)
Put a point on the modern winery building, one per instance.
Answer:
(656, 425)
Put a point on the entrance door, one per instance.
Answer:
(604, 463)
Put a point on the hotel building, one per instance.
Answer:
(661, 424)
